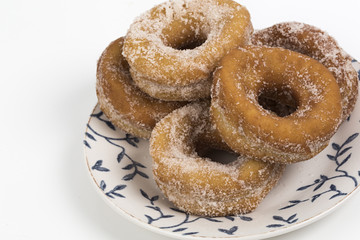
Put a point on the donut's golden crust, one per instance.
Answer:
(317, 44)
(198, 185)
(250, 129)
(178, 43)
(122, 102)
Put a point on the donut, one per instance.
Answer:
(195, 183)
(248, 128)
(313, 42)
(126, 106)
(173, 48)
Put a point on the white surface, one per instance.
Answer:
(48, 54)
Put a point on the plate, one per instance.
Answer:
(120, 167)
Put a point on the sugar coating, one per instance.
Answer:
(319, 45)
(266, 150)
(121, 100)
(151, 29)
(191, 92)
(249, 128)
(199, 185)
(154, 41)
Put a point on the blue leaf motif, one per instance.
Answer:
(337, 194)
(113, 191)
(278, 218)
(129, 177)
(351, 138)
(190, 233)
(304, 187)
(293, 203)
(144, 194)
(98, 166)
(118, 194)
(179, 229)
(345, 160)
(131, 140)
(128, 167)
(121, 155)
(230, 218)
(102, 185)
(275, 225)
(90, 136)
(233, 229)
(344, 151)
(119, 187)
(339, 160)
(133, 165)
(335, 146)
(323, 180)
(315, 197)
(288, 206)
(150, 219)
(97, 115)
(245, 218)
(110, 125)
(212, 219)
(87, 144)
(229, 231)
(289, 220)
(156, 208)
(142, 174)
(140, 165)
(153, 199)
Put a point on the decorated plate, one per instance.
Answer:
(120, 167)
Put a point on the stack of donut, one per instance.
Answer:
(192, 76)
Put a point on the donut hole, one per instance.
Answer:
(279, 100)
(220, 156)
(191, 43)
(185, 38)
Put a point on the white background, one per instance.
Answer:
(48, 54)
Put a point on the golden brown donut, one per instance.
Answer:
(121, 101)
(313, 42)
(248, 128)
(197, 184)
(173, 48)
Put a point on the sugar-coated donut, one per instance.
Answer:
(173, 48)
(121, 101)
(197, 184)
(245, 74)
(317, 44)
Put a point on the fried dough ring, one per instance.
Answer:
(173, 48)
(250, 129)
(313, 42)
(121, 101)
(199, 185)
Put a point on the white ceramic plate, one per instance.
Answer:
(120, 167)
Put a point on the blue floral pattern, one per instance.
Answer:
(319, 182)
(120, 166)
